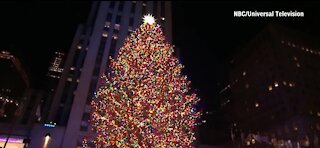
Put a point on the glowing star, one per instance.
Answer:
(149, 19)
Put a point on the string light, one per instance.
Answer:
(145, 100)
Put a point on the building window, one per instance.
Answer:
(162, 9)
(99, 56)
(291, 84)
(276, 84)
(121, 5)
(112, 47)
(284, 83)
(112, 3)
(117, 27)
(92, 88)
(298, 65)
(131, 21)
(270, 88)
(155, 8)
(130, 29)
(97, 67)
(105, 34)
(85, 116)
(133, 7)
(115, 36)
(107, 26)
(84, 126)
(79, 46)
(257, 105)
(118, 19)
(144, 7)
(247, 85)
(109, 17)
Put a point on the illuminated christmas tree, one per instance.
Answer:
(144, 101)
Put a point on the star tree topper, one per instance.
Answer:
(149, 19)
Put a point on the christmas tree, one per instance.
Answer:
(144, 101)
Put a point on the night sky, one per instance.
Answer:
(206, 33)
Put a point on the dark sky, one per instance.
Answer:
(34, 30)
(206, 33)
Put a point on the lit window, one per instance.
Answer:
(284, 83)
(117, 26)
(295, 58)
(253, 141)
(318, 114)
(79, 46)
(307, 49)
(107, 24)
(257, 104)
(144, 4)
(78, 80)
(248, 142)
(293, 45)
(105, 34)
(291, 84)
(270, 88)
(69, 79)
(302, 48)
(311, 51)
(298, 65)
(276, 84)
(115, 36)
(247, 85)
(72, 68)
(244, 73)
(162, 18)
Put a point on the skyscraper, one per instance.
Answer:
(15, 109)
(109, 23)
(273, 95)
(14, 82)
(53, 76)
(56, 66)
